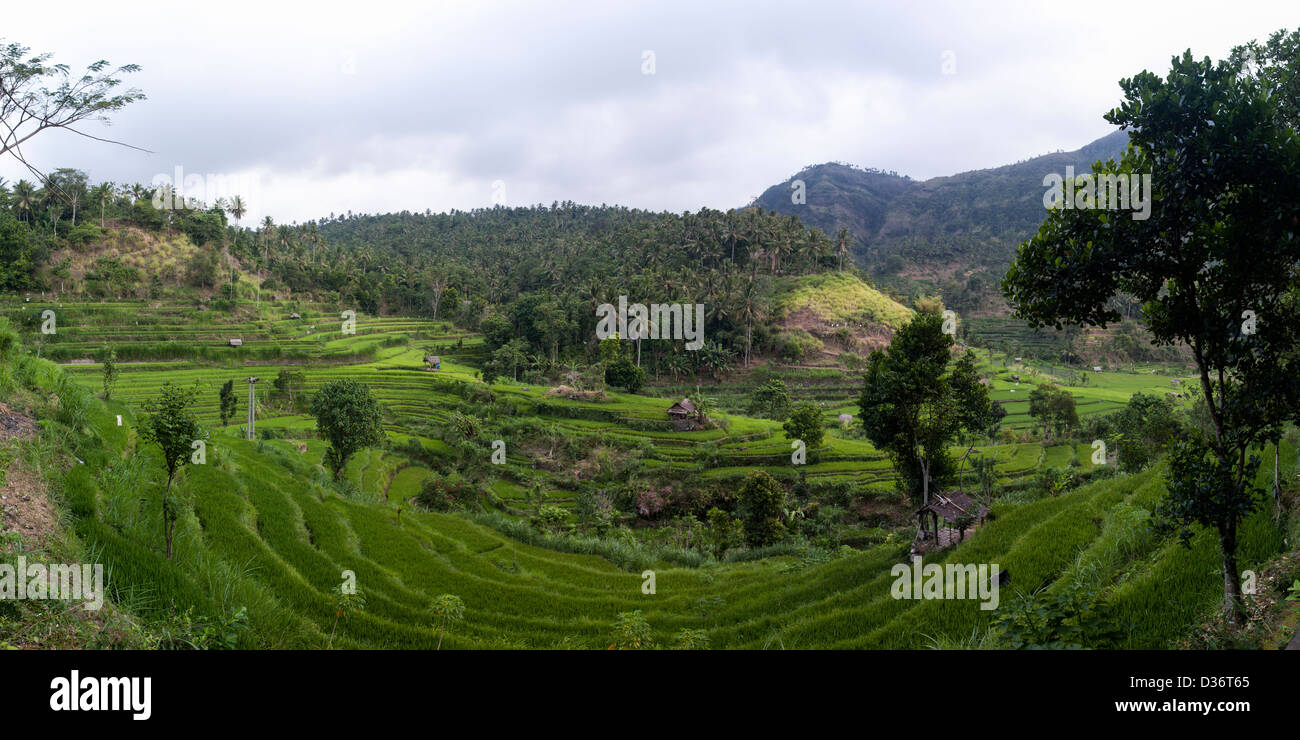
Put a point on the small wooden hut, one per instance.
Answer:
(954, 507)
(682, 414)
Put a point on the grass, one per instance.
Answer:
(264, 529)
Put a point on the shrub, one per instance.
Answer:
(762, 501)
(805, 423)
(622, 373)
(772, 399)
(1065, 618)
(631, 632)
(794, 346)
(691, 639)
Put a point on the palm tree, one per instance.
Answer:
(102, 192)
(842, 241)
(819, 247)
(24, 197)
(237, 209)
(731, 232)
(751, 308)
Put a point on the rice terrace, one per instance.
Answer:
(855, 411)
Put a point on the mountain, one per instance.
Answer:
(934, 234)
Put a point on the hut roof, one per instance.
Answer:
(953, 505)
(683, 406)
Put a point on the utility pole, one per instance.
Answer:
(251, 405)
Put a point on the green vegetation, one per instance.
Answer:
(171, 425)
(348, 416)
(805, 423)
(529, 488)
(1228, 290)
(914, 408)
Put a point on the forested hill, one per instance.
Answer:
(598, 252)
(538, 273)
(970, 221)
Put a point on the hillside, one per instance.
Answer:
(824, 316)
(957, 232)
(267, 533)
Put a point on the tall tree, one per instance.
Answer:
(171, 424)
(1214, 265)
(350, 418)
(24, 199)
(110, 372)
(762, 502)
(1054, 408)
(236, 208)
(101, 194)
(227, 402)
(913, 407)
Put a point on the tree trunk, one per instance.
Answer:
(167, 527)
(925, 482)
(1231, 578)
(1277, 488)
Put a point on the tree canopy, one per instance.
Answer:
(350, 418)
(1214, 266)
(913, 407)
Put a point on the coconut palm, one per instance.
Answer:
(842, 241)
(24, 199)
(751, 307)
(101, 193)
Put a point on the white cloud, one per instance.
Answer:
(392, 105)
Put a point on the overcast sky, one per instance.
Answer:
(319, 108)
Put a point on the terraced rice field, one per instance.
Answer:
(262, 526)
(387, 355)
(266, 533)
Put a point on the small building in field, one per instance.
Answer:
(957, 509)
(1096, 368)
(294, 316)
(682, 408)
(1176, 381)
(683, 415)
(433, 361)
(236, 343)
